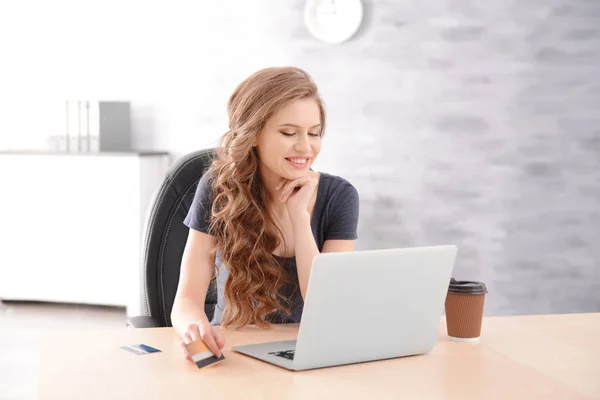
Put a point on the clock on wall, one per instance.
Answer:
(333, 21)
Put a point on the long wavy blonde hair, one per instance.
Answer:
(244, 228)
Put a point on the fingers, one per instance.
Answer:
(185, 352)
(288, 188)
(192, 333)
(283, 183)
(282, 186)
(187, 338)
(211, 336)
(303, 186)
(284, 197)
(219, 338)
(207, 336)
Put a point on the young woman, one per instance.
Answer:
(260, 213)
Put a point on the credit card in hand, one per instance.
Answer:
(201, 355)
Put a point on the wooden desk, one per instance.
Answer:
(525, 357)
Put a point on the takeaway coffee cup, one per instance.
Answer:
(464, 310)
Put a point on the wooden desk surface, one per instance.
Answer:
(524, 357)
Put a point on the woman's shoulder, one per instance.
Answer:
(206, 177)
(205, 184)
(335, 181)
(335, 186)
(204, 190)
(198, 216)
(340, 208)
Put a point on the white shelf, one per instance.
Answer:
(71, 226)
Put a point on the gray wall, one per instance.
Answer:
(474, 123)
(486, 134)
(463, 122)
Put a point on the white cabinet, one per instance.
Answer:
(71, 225)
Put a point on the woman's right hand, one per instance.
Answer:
(209, 334)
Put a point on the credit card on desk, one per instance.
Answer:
(140, 349)
(201, 355)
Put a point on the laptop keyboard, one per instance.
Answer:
(289, 354)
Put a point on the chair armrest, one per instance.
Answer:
(143, 321)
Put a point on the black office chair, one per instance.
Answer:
(165, 237)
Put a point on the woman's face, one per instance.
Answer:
(290, 141)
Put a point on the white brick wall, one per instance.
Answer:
(459, 122)
(473, 123)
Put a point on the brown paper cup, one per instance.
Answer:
(464, 310)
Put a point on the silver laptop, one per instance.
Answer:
(365, 306)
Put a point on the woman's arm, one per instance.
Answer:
(305, 248)
(194, 279)
(188, 316)
(340, 231)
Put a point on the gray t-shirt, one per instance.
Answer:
(335, 217)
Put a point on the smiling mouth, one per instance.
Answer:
(298, 162)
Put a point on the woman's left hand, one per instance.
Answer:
(298, 200)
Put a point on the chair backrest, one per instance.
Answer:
(165, 236)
